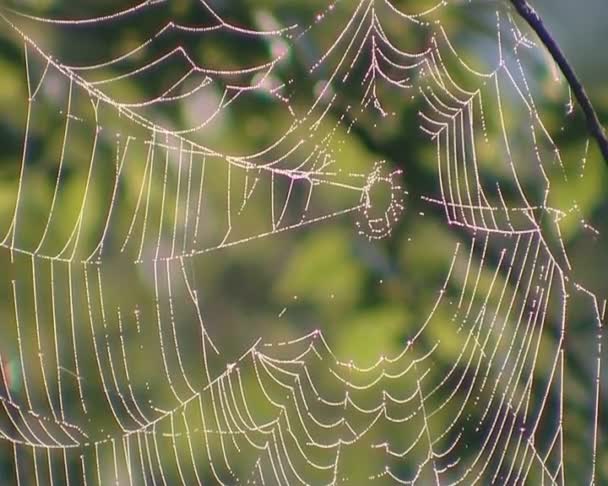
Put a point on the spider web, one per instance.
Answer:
(123, 360)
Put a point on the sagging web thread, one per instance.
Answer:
(309, 407)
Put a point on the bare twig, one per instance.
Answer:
(527, 12)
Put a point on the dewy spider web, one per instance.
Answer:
(118, 368)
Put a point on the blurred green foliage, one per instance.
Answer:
(369, 298)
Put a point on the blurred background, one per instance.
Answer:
(180, 303)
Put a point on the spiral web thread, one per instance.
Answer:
(310, 407)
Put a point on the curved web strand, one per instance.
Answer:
(180, 170)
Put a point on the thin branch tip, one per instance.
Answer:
(534, 20)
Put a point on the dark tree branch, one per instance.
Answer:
(527, 12)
